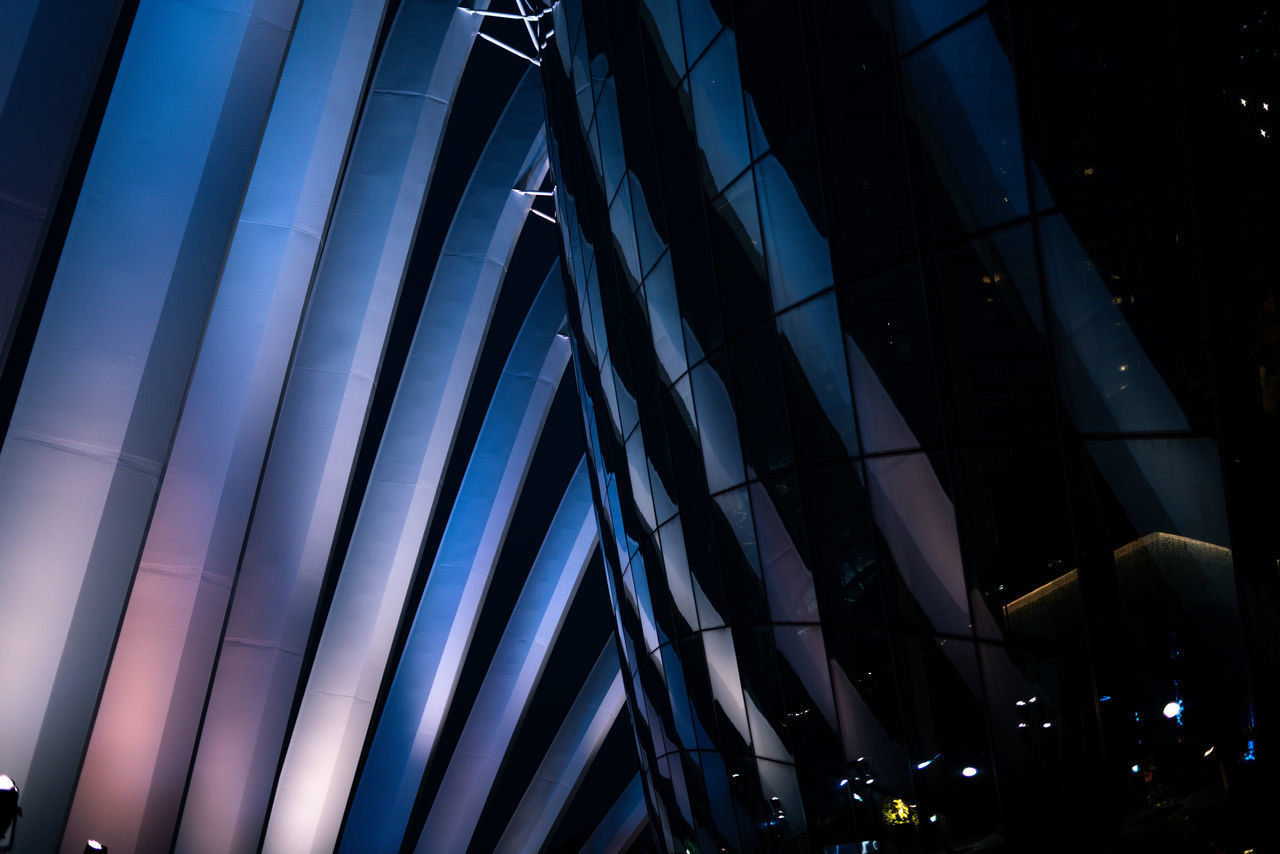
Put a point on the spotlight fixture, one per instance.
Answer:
(9, 809)
(93, 846)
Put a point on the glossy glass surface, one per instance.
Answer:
(905, 439)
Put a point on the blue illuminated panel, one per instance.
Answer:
(400, 500)
(428, 670)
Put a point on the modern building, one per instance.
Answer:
(924, 354)
(638, 425)
(299, 551)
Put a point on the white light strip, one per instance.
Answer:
(528, 27)
(511, 16)
(547, 217)
(509, 48)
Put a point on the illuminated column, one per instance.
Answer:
(515, 670)
(319, 426)
(327, 738)
(580, 736)
(455, 590)
(621, 826)
(91, 428)
(50, 54)
(140, 751)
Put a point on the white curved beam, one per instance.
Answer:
(144, 734)
(622, 825)
(319, 426)
(89, 438)
(436, 648)
(400, 499)
(567, 759)
(514, 670)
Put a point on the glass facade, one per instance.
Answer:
(901, 364)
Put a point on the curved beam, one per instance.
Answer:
(130, 787)
(319, 426)
(514, 670)
(622, 825)
(566, 761)
(428, 670)
(91, 428)
(324, 748)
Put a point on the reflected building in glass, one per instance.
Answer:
(922, 349)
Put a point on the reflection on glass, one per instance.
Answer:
(717, 112)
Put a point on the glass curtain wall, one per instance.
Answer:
(890, 335)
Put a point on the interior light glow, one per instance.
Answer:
(933, 819)
(970, 771)
(1172, 709)
(1046, 724)
(94, 845)
(7, 784)
(1208, 750)
(1134, 768)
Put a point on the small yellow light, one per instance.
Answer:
(899, 812)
